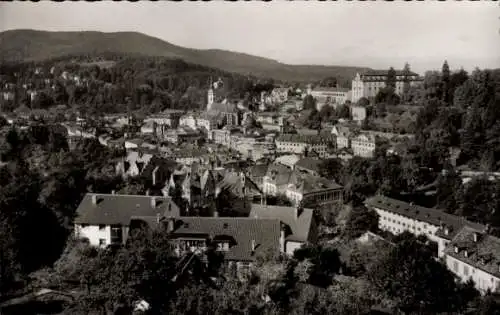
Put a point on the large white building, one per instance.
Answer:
(368, 84)
(465, 247)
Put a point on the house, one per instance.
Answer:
(369, 83)
(358, 113)
(299, 144)
(276, 180)
(104, 218)
(474, 254)
(364, 145)
(397, 216)
(332, 96)
(298, 224)
(313, 190)
(288, 160)
(256, 173)
(343, 136)
(280, 95)
(308, 165)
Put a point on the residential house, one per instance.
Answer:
(280, 95)
(276, 180)
(358, 113)
(364, 145)
(343, 136)
(299, 144)
(256, 173)
(298, 226)
(308, 165)
(313, 190)
(104, 219)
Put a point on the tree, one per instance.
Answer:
(391, 79)
(445, 77)
(410, 275)
(309, 102)
(331, 169)
(359, 221)
(324, 263)
(406, 82)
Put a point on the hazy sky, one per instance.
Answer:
(374, 34)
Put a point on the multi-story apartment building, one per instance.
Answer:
(368, 84)
(169, 118)
(398, 216)
(364, 145)
(343, 136)
(298, 144)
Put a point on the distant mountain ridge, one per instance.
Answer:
(34, 45)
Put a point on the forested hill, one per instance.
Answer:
(32, 45)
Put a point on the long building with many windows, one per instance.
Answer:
(368, 84)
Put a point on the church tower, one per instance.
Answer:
(211, 96)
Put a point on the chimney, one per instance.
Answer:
(94, 200)
(456, 249)
(282, 239)
(253, 246)
(298, 210)
(476, 237)
(216, 214)
(153, 202)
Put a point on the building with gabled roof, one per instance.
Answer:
(298, 224)
(474, 254)
(369, 83)
(104, 218)
(397, 216)
(364, 145)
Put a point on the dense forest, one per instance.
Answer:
(117, 83)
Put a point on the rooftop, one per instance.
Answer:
(299, 227)
(483, 254)
(436, 217)
(111, 209)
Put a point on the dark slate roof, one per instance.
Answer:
(278, 174)
(118, 209)
(299, 227)
(310, 139)
(306, 183)
(483, 254)
(258, 170)
(265, 232)
(234, 183)
(450, 223)
(385, 72)
(309, 163)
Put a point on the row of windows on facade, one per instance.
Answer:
(383, 218)
(466, 271)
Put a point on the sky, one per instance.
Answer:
(371, 34)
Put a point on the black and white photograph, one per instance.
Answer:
(249, 157)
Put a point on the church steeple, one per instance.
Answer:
(211, 95)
